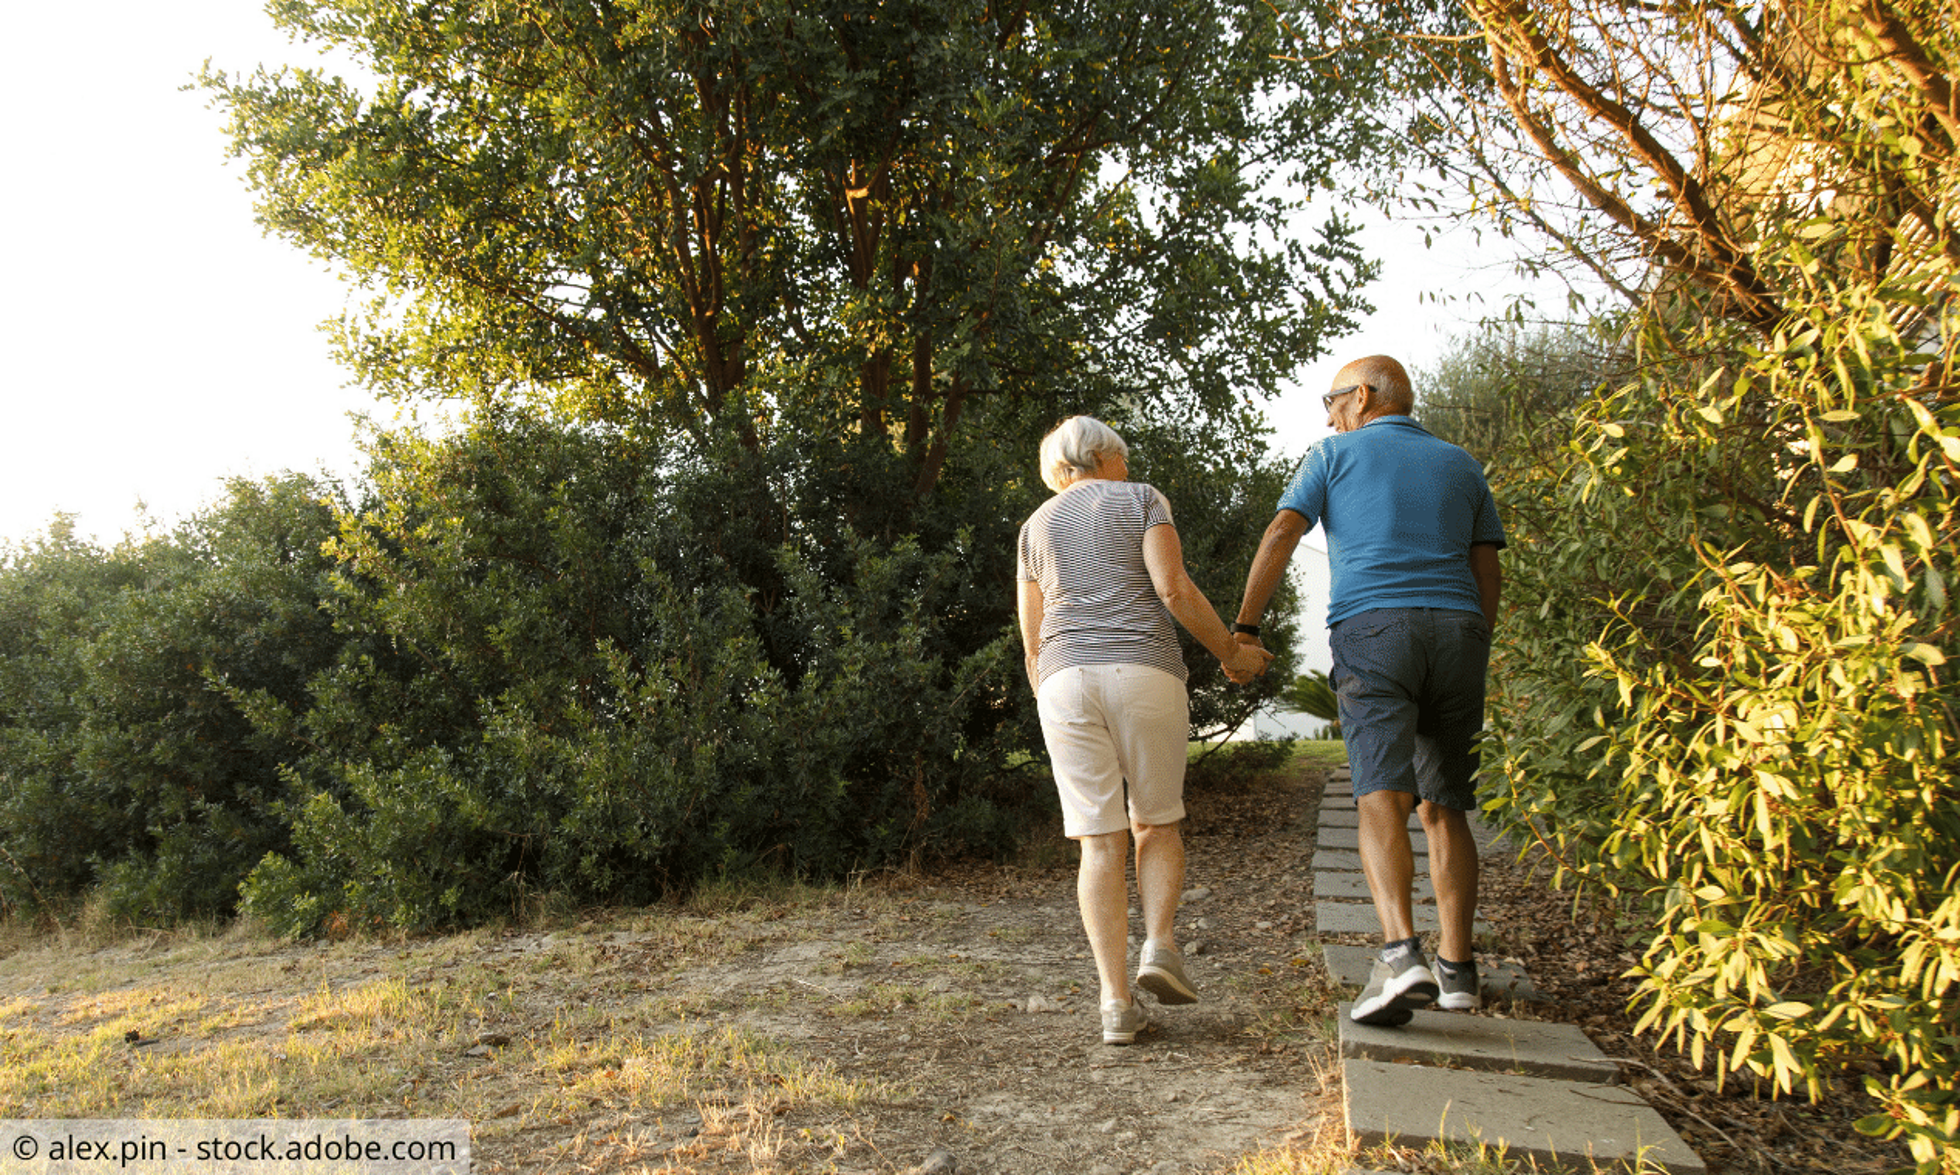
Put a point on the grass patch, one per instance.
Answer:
(1330, 1153)
(517, 1032)
(1320, 753)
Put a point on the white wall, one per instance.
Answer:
(1309, 572)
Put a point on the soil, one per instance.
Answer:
(965, 1003)
(1011, 1076)
(1002, 1060)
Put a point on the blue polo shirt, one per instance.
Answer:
(1401, 509)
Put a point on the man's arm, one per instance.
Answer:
(1283, 534)
(1489, 577)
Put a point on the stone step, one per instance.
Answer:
(1332, 917)
(1350, 838)
(1452, 1040)
(1339, 861)
(1500, 980)
(1564, 1125)
(1349, 818)
(1353, 887)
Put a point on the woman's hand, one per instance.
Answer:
(1248, 660)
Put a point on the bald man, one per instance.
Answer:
(1412, 542)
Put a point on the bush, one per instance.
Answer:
(1234, 765)
(1726, 698)
(130, 768)
(572, 668)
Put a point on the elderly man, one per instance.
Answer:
(1412, 542)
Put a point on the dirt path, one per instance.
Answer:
(944, 1025)
(971, 998)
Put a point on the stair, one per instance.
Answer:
(1537, 1089)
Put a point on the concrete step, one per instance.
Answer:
(1349, 818)
(1353, 887)
(1339, 861)
(1350, 838)
(1350, 965)
(1562, 1125)
(1452, 1040)
(1331, 917)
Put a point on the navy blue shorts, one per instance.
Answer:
(1411, 688)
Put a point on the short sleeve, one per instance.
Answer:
(1157, 512)
(1306, 494)
(1026, 569)
(1487, 527)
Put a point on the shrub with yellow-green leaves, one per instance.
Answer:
(1736, 710)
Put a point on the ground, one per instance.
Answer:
(934, 1023)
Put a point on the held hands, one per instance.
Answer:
(1248, 660)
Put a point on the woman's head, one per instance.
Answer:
(1076, 448)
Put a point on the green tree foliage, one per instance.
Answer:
(1310, 693)
(557, 682)
(1510, 394)
(128, 769)
(1724, 693)
(559, 678)
(859, 219)
(760, 310)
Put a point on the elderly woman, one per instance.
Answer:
(1101, 576)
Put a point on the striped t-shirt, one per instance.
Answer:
(1098, 606)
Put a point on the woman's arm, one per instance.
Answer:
(1028, 598)
(1163, 555)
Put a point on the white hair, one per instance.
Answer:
(1073, 449)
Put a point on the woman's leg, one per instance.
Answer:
(1102, 890)
(1160, 879)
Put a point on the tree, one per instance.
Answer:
(1311, 694)
(1509, 395)
(860, 219)
(775, 300)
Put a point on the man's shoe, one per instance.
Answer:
(1395, 990)
(1459, 990)
(1122, 1021)
(1161, 973)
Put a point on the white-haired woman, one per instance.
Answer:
(1101, 577)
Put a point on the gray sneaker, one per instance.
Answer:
(1161, 973)
(1122, 1021)
(1395, 990)
(1458, 990)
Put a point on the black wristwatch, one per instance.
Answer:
(1247, 629)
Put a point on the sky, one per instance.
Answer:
(157, 344)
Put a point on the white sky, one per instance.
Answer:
(155, 343)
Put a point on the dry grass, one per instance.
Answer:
(521, 1039)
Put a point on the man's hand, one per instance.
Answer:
(1248, 661)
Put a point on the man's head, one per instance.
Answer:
(1367, 388)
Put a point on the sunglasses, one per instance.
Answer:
(1327, 401)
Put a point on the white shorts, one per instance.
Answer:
(1107, 723)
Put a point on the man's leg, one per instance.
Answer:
(1376, 672)
(1388, 860)
(1446, 761)
(1453, 870)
